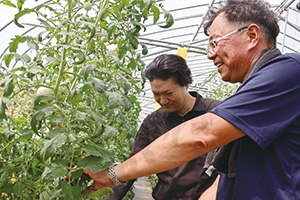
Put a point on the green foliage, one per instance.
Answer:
(218, 89)
(85, 113)
(153, 179)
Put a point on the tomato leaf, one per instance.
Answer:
(44, 23)
(97, 150)
(55, 132)
(57, 119)
(8, 3)
(145, 49)
(155, 12)
(114, 99)
(79, 58)
(70, 192)
(44, 6)
(8, 59)
(25, 58)
(18, 188)
(20, 14)
(126, 103)
(2, 110)
(77, 173)
(139, 24)
(104, 191)
(91, 46)
(99, 84)
(61, 162)
(13, 45)
(36, 118)
(32, 44)
(8, 86)
(54, 171)
(92, 150)
(76, 97)
(55, 139)
(110, 131)
(95, 164)
(133, 41)
(92, 32)
(169, 19)
(96, 117)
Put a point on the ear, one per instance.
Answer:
(187, 86)
(253, 36)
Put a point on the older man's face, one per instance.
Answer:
(230, 53)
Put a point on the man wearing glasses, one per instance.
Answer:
(260, 123)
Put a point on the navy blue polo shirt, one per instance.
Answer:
(267, 110)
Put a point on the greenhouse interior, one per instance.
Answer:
(73, 91)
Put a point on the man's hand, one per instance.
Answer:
(101, 180)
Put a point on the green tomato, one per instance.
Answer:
(44, 91)
(73, 4)
(104, 39)
(87, 6)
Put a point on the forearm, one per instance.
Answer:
(161, 155)
(178, 146)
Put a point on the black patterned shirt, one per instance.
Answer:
(186, 182)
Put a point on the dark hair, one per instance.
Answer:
(168, 66)
(246, 12)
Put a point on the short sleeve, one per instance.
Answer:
(267, 103)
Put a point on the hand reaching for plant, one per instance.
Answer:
(101, 180)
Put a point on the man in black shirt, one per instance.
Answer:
(170, 78)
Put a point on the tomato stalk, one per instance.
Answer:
(72, 159)
(64, 51)
(102, 6)
(66, 117)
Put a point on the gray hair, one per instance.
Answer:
(246, 12)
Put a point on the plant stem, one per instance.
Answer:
(7, 145)
(62, 112)
(102, 6)
(64, 51)
(72, 158)
(30, 86)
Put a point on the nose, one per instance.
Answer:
(163, 100)
(211, 55)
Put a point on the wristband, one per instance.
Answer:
(113, 177)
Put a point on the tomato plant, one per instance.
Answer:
(218, 89)
(69, 101)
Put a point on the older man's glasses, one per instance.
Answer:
(214, 42)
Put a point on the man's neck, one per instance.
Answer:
(190, 102)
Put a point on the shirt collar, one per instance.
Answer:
(198, 106)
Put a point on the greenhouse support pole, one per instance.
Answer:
(285, 27)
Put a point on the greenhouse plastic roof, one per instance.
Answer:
(187, 31)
